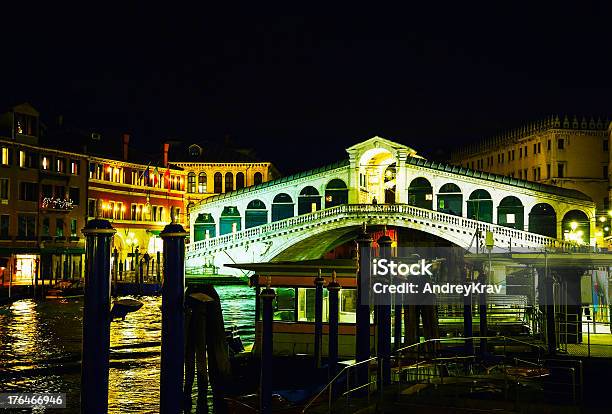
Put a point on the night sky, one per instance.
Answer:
(300, 85)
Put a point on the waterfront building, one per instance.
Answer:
(213, 169)
(563, 151)
(139, 195)
(42, 202)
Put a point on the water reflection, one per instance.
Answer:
(40, 345)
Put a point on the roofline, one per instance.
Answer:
(502, 179)
(329, 167)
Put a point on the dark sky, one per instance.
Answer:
(300, 85)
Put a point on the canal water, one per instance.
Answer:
(40, 345)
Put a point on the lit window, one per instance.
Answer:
(22, 158)
(45, 163)
(60, 165)
(202, 182)
(191, 182)
(5, 156)
(74, 167)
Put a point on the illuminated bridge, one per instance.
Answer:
(304, 215)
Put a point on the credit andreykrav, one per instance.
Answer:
(416, 279)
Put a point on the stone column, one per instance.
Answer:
(401, 177)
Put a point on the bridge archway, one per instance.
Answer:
(373, 165)
(390, 183)
(321, 239)
(543, 220)
(229, 222)
(204, 227)
(336, 193)
(255, 214)
(480, 206)
(576, 226)
(282, 207)
(309, 200)
(510, 213)
(420, 193)
(450, 199)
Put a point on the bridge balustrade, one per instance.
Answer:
(321, 217)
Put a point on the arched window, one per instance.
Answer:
(218, 183)
(450, 199)
(480, 206)
(229, 182)
(543, 220)
(256, 214)
(257, 178)
(191, 182)
(420, 193)
(336, 193)
(309, 200)
(239, 180)
(202, 183)
(282, 207)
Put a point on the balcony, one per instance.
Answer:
(60, 205)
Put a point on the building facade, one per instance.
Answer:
(210, 170)
(139, 201)
(42, 203)
(565, 151)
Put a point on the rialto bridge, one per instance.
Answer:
(304, 215)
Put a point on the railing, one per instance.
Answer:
(329, 387)
(415, 349)
(368, 211)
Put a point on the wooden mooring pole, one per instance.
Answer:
(173, 320)
(96, 317)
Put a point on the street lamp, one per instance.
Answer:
(132, 242)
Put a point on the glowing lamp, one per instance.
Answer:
(602, 219)
(573, 225)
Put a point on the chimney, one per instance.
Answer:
(126, 141)
(166, 148)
